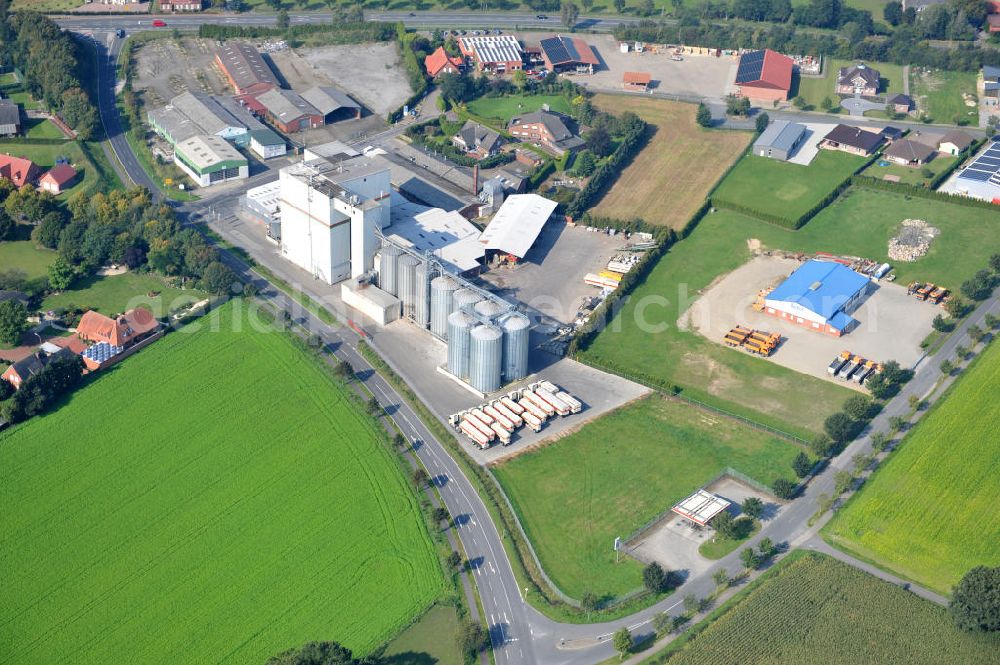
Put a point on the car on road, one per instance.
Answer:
(159, 23)
(542, 17)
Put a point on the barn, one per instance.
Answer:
(562, 54)
(764, 75)
(819, 295)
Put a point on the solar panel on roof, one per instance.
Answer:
(976, 176)
(751, 66)
(571, 49)
(555, 50)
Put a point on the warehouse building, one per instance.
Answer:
(266, 144)
(244, 68)
(780, 140)
(764, 76)
(819, 295)
(515, 227)
(261, 203)
(289, 112)
(192, 113)
(561, 54)
(446, 235)
(980, 179)
(209, 160)
(332, 104)
(493, 53)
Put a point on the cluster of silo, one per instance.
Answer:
(516, 336)
(387, 268)
(459, 329)
(485, 356)
(406, 281)
(425, 274)
(442, 294)
(487, 344)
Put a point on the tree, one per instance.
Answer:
(737, 105)
(282, 19)
(315, 653)
(622, 642)
(859, 407)
(250, 290)
(947, 367)
(454, 559)
(941, 324)
(826, 103)
(995, 263)
(374, 407)
(218, 278)
(589, 601)
(654, 578)
(79, 113)
(962, 352)
(783, 488)
(893, 13)
(704, 116)
(61, 274)
(801, 465)
(441, 514)
(690, 602)
(956, 308)
(840, 427)
(749, 558)
(766, 547)
(975, 601)
(821, 445)
(420, 477)
(975, 333)
(345, 369)
(7, 226)
(472, 638)
(520, 79)
(13, 321)
(619, 6)
(842, 481)
(979, 287)
(569, 13)
(753, 507)
(721, 578)
(896, 423)
(723, 524)
(879, 441)
(599, 141)
(587, 4)
(991, 321)
(799, 103)
(584, 164)
(662, 622)
(647, 8)
(760, 124)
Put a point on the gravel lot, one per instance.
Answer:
(167, 67)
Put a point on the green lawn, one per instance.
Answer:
(814, 89)
(216, 498)
(428, 641)
(814, 609)
(118, 293)
(718, 546)
(782, 188)
(505, 108)
(8, 78)
(25, 100)
(22, 255)
(909, 175)
(930, 512)
(939, 95)
(41, 128)
(45, 156)
(612, 476)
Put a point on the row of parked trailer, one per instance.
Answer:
(755, 341)
(529, 407)
(851, 367)
(931, 293)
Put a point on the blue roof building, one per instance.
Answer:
(820, 295)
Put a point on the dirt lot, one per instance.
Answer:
(670, 178)
(892, 324)
(166, 67)
(371, 73)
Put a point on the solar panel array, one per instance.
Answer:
(751, 66)
(986, 167)
(494, 48)
(556, 49)
(101, 352)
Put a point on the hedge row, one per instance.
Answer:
(921, 192)
(351, 32)
(608, 172)
(414, 72)
(540, 174)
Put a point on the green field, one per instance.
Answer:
(813, 89)
(25, 100)
(45, 156)
(22, 255)
(217, 498)
(909, 175)
(505, 108)
(816, 610)
(939, 95)
(427, 642)
(616, 473)
(930, 512)
(118, 293)
(782, 188)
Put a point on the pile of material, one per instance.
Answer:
(912, 241)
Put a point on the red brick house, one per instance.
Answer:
(58, 178)
(546, 129)
(124, 330)
(764, 75)
(18, 170)
(439, 62)
(20, 371)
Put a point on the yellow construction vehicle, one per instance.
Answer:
(736, 336)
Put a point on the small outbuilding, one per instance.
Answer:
(954, 143)
(636, 81)
(900, 103)
(701, 507)
(780, 140)
(265, 143)
(58, 178)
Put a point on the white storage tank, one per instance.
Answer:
(459, 326)
(489, 308)
(464, 298)
(407, 282)
(442, 293)
(422, 297)
(516, 337)
(388, 257)
(485, 353)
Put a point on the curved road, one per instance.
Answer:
(520, 634)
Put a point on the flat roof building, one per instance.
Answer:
(447, 235)
(515, 227)
(780, 140)
(701, 507)
(209, 160)
(819, 295)
(980, 179)
(244, 68)
(192, 113)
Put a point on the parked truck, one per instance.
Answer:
(557, 404)
(533, 422)
(846, 369)
(502, 434)
(736, 336)
(861, 374)
(530, 397)
(504, 421)
(838, 363)
(534, 409)
(507, 413)
(480, 425)
(512, 405)
(925, 291)
(937, 295)
(472, 431)
(857, 362)
(574, 403)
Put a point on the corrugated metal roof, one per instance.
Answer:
(517, 224)
(780, 134)
(821, 287)
(493, 48)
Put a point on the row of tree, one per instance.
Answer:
(39, 391)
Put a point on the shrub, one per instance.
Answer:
(975, 602)
(783, 488)
(840, 427)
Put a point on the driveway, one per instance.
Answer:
(857, 106)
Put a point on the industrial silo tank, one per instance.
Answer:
(422, 297)
(387, 271)
(406, 280)
(442, 292)
(489, 308)
(516, 336)
(464, 298)
(459, 326)
(485, 354)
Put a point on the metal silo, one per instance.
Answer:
(516, 335)
(459, 325)
(489, 308)
(442, 292)
(407, 282)
(485, 353)
(422, 297)
(464, 298)
(388, 257)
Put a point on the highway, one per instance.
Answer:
(520, 635)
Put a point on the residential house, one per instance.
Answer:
(124, 330)
(954, 143)
(858, 79)
(10, 118)
(909, 153)
(900, 103)
(546, 129)
(58, 178)
(850, 139)
(439, 62)
(18, 170)
(23, 369)
(477, 141)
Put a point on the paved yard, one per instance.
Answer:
(167, 67)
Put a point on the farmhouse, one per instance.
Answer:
(23, 369)
(900, 103)
(515, 227)
(10, 118)
(58, 178)
(858, 79)
(850, 139)
(547, 129)
(562, 54)
(636, 81)
(265, 143)
(909, 153)
(439, 62)
(477, 141)
(764, 75)
(820, 296)
(209, 160)
(954, 143)
(244, 68)
(779, 140)
(124, 330)
(332, 104)
(289, 112)
(18, 170)
(494, 53)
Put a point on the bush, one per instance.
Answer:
(840, 427)
(975, 602)
(783, 488)
(942, 324)
(654, 578)
(979, 287)
(801, 465)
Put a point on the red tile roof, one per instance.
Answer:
(775, 73)
(60, 174)
(18, 170)
(95, 327)
(72, 342)
(437, 61)
(642, 78)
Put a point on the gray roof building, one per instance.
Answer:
(206, 112)
(286, 107)
(193, 113)
(857, 75)
(909, 153)
(991, 73)
(779, 140)
(473, 137)
(10, 117)
(245, 68)
(328, 100)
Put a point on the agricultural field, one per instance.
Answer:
(813, 89)
(784, 189)
(118, 293)
(662, 451)
(908, 175)
(24, 256)
(502, 109)
(930, 512)
(814, 609)
(939, 94)
(272, 511)
(426, 641)
(651, 187)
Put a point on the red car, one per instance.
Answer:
(159, 23)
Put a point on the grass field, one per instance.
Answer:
(813, 89)
(817, 610)
(217, 498)
(618, 472)
(22, 255)
(118, 293)
(911, 176)
(785, 189)
(939, 95)
(41, 128)
(45, 156)
(25, 100)
(427, 642)
(930, 512)
(505, 108)
(660, 184)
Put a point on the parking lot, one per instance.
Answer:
(891, 323)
